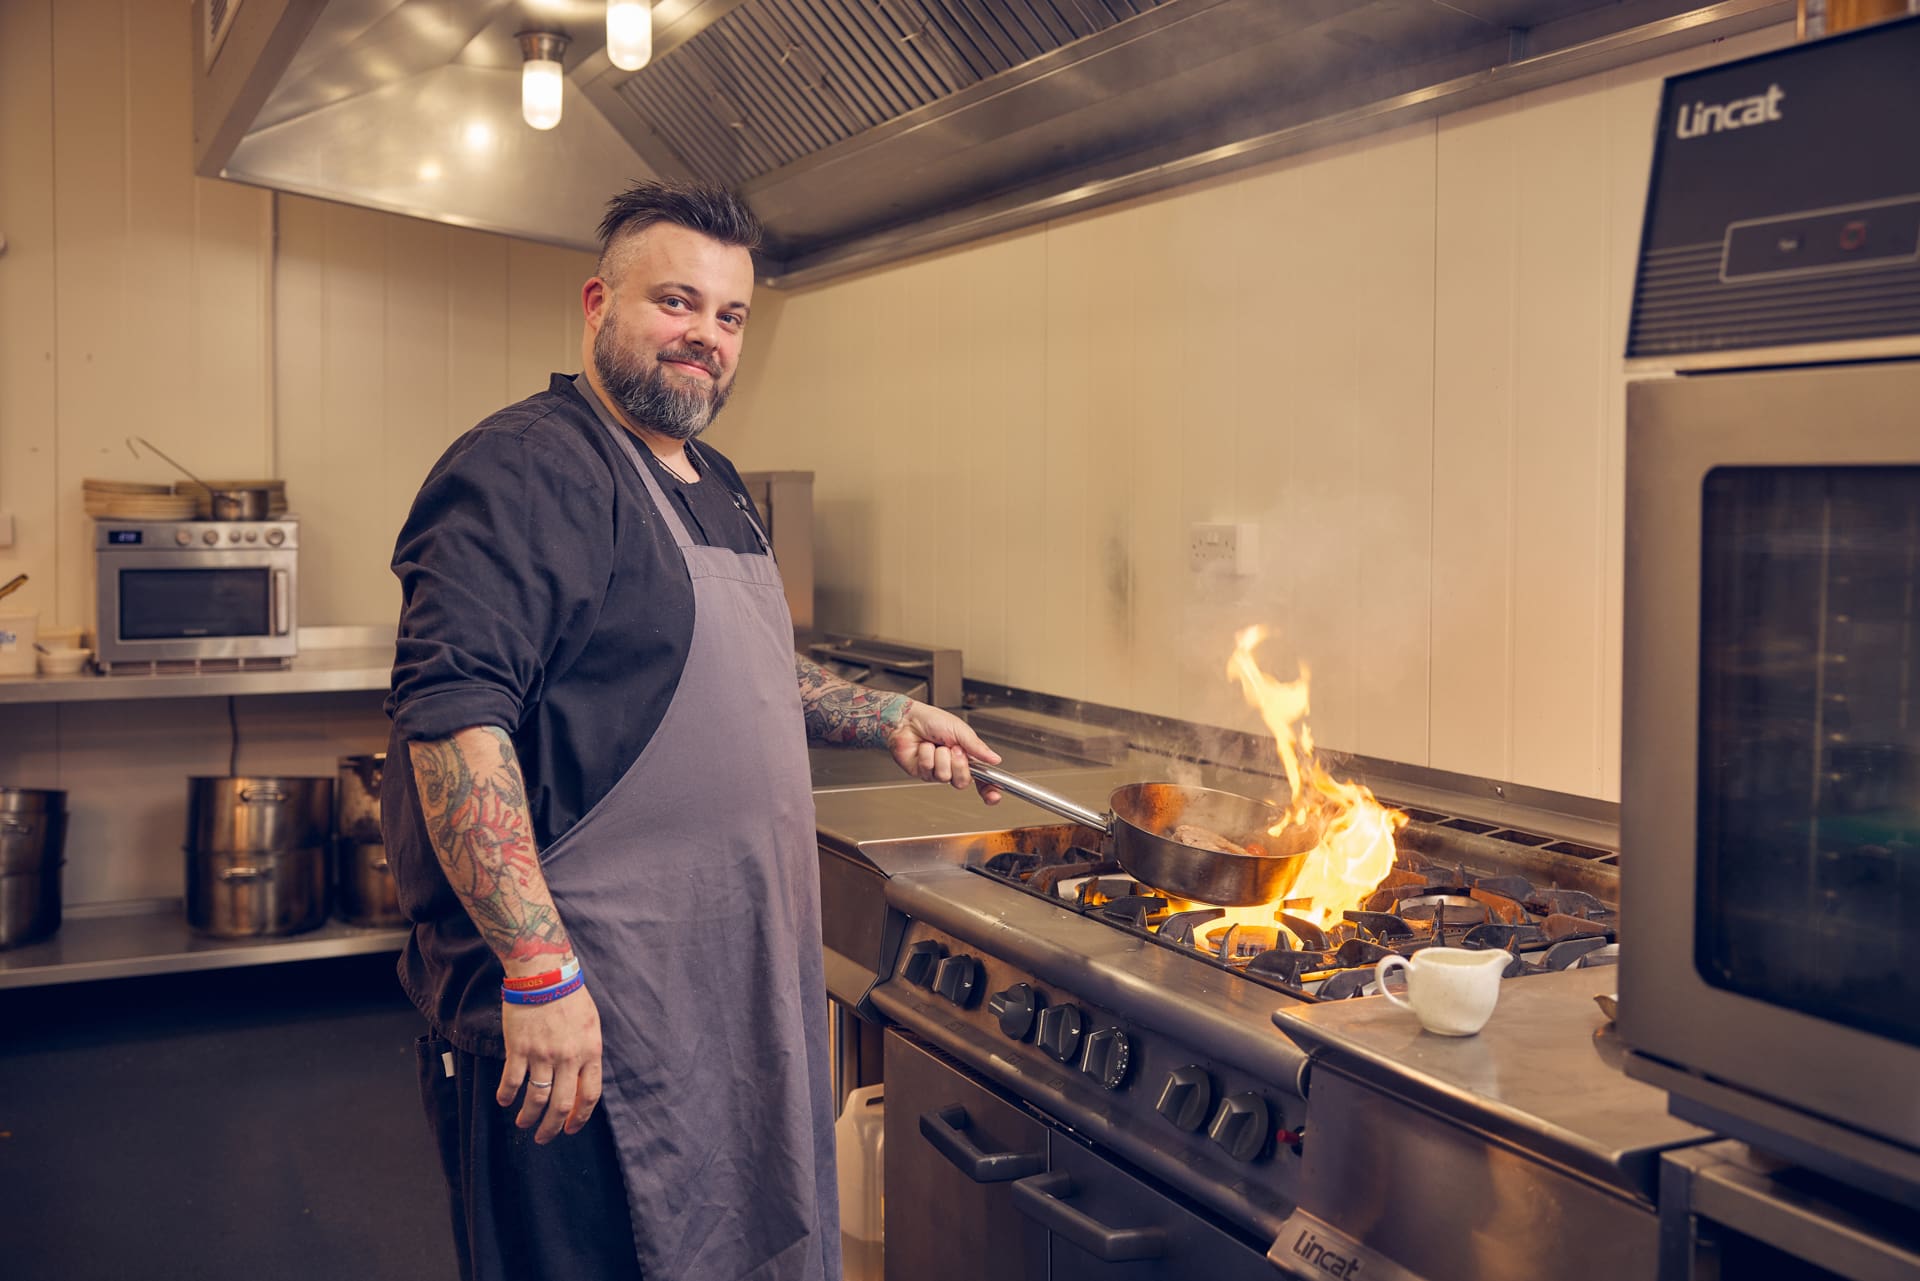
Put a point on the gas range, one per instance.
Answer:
(1165, 1035)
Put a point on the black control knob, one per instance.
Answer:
(922, 957)
(959, 979)
(1060, 1029)
(1015, 1008)
(1241, 1126)
(1109, 1055)
(1186, 1098)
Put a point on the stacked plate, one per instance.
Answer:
(133, 500)
(203, 501)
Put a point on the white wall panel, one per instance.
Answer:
(1399, 358)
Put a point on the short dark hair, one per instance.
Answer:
(708, 208)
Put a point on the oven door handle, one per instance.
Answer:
(1042, 1198)
(944, 1129)
(282, 602)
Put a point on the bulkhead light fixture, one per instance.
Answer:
(629, 33)
(542, 78)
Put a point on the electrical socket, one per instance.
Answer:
(6, 531)
(1223, 549)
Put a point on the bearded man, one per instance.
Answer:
(605, 837)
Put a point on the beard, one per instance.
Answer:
(650, 394)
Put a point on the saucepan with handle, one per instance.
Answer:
(243, 502)
(1222, 852)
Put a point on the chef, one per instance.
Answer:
(605, 839)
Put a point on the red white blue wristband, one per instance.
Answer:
(534, 982)
(545, 994)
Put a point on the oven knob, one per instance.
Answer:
(922, 957)
(1241, 1126)
(959, 980)
(1060, 1028)
(1186, 1098)
(275, 537)
(253, 535)
(182, 536)
(233, 535)
(1109, 1054)
(1015, 1009)
(211, 537)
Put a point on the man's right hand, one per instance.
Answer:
(554, 1050)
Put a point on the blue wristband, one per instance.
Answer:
(544, 995)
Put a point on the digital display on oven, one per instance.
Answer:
(125, 537)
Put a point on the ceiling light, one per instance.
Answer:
(629, 33)
(542, 79)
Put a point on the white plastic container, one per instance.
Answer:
(17, 635)
(857, 1142)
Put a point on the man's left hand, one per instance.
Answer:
(935, 746)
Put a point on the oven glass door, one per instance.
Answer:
(1809, 769)
(179, 604)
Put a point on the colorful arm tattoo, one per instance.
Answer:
(475, 803)
(843, 713)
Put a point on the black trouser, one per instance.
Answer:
(523, 1212)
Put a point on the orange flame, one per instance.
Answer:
(1356, 852)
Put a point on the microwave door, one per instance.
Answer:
(196, 603)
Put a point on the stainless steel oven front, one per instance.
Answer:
(183, 594)
(1770, 785)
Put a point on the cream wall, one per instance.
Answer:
(1399, 358)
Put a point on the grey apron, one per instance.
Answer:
(692, 895)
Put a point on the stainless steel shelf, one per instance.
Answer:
(156, 940)
(331, 659)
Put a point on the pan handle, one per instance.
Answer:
(1014, 785)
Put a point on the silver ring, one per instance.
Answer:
(541, 1085)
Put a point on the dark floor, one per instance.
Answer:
(236, 1124)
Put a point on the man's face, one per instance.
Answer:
(667, 340)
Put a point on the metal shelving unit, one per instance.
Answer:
(331, 659)
(124, 940)
(130, 940)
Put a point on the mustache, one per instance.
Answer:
(690, 358)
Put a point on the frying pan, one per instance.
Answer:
(1141, 817)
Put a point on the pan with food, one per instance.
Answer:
(1193, 842)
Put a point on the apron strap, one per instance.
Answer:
(675, 525)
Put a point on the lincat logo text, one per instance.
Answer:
(1697, 119)
(1314, 1251)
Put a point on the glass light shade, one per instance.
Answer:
(629, 33)
(540, 85)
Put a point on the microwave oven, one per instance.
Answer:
(1770, 777)
(193, 594)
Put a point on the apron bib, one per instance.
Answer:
(692, 895)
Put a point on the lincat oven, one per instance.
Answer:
(1771, 782)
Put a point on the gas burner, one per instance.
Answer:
(1422, 902)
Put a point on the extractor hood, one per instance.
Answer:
(864, 131)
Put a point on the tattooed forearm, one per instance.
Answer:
(843, 713)
(475, 804)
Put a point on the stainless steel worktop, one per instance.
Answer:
(1546, 1068)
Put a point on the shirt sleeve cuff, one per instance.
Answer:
(451, 708)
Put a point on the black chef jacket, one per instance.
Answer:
(541, 593)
